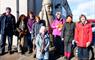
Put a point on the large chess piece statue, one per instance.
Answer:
(46, 12)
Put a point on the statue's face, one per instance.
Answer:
(48, 8)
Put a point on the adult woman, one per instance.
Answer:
(68, 36)
(21, 27)
(57, 29)
(83, 37)
(31, 21)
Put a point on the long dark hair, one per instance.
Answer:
(82, 15)
(30, 12)
(71, 16)
(20, 18)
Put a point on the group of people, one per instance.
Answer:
(33, 30)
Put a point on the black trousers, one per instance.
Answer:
(58, 44)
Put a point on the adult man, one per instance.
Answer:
(7, 28)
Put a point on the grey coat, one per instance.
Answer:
(39, 42)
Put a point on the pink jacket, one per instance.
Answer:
(56, 30)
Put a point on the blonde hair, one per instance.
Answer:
(37, 17)
(58, 13)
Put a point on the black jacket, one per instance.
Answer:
(25, 28)
(7, 24)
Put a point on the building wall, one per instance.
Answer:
(31, 5)
(8, 3)
(18, 6)
(38, 6)
(23, 7)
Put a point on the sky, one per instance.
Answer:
(86, 7)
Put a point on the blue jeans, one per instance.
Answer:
(29, 42)
(83, 53)
(3, 42)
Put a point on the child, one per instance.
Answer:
(42, 44)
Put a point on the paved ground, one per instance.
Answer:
(16, 56)
(26, 56)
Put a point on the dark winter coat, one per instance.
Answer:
(7, 24)
(68, 32)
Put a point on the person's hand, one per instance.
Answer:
(20, 33)
(62, 39)
(87, 44)
(57, 26)
(76, 42)
(33, 50)
(18, 30)
(30, 32)
(73, 42)
(60, 29)
(42, 51)
(0, 35)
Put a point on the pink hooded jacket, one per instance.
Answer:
(56, 30)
